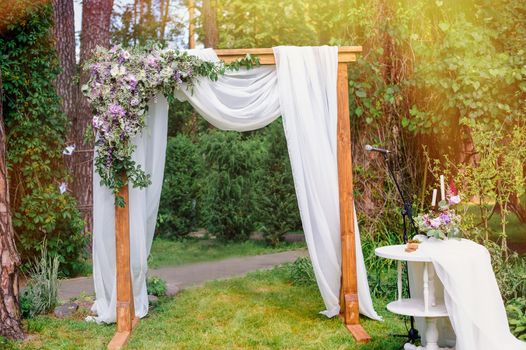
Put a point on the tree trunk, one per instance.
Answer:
(64, 32)
(165, 17)
(96, 16)
(210, 23)
(10, 325)
(65, 85)
(191, 39)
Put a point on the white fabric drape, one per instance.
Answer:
(150, 154)
(301, 88)
(471, 296)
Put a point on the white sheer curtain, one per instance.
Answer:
(301, 88)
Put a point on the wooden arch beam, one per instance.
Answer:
(126, 320)
(346, 54)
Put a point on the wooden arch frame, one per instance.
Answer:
(349, 311)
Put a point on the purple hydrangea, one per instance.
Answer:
(132, 81)
(116, 110)
(177, 76)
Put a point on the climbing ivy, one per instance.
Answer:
(36, 131)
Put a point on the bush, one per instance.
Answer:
(178, 208)
(278, 205)
(36, 130)
(516, 310)
(156, 286)
(230, 189)
(40, 295)
(301, 272)
(510, 271)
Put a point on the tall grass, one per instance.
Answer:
(41, 294)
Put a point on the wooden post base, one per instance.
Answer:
(359, 334)
(120, 339)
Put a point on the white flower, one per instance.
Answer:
(454, 200)
(117, 71)
(69, 150)
(63, 188)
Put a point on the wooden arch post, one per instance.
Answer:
(126, 319)
(349, 288)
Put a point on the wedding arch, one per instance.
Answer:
(308, 86)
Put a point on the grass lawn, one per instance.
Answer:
(260, 311)
(179, 252)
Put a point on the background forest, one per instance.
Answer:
(440, 83)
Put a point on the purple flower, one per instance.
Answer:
(177, 76)
(152, 61)
(116, 110)
(445, 218)
(435, 223)
(132, 81)
(134, 101)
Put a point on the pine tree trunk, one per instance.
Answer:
(210, 23)
(191, 12)
(96, 16)
(64, 33)
(10, 325)
(165, 17)
(65, 85)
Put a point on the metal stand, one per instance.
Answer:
(407, 214)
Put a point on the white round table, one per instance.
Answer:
(428, 307)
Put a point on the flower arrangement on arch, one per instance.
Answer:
(442, 221)
(121, 83)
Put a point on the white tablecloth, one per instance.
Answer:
(471, 295)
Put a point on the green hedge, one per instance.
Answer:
(178, 212)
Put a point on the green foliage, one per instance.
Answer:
(516, 310)
(40, 294)
(301, 272)
(36, 130)
(510, 271)
(230, 192)
(278, 206)
(156, 286)
(178, 208)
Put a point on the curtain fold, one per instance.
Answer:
(301, 88)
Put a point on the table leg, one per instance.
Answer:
(399, 280)
(431, 337)
(426, 288)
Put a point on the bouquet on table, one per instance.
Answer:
(441, 221)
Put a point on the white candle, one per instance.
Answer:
(442, 188)
(434, 200)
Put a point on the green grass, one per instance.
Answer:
(192, 250)
(260, 311)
